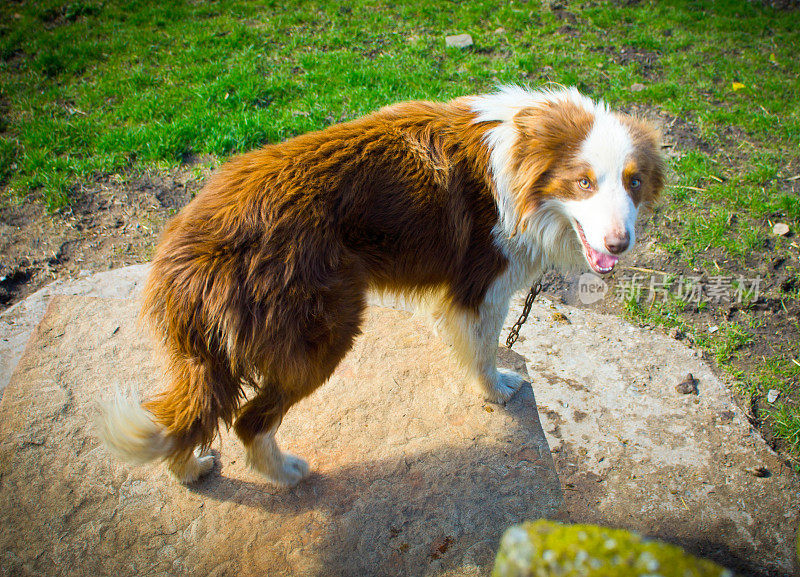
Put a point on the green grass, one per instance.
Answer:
(96, 87)
(92, 87)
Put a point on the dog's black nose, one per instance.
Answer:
(617, 242)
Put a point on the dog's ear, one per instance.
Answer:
(547, 134)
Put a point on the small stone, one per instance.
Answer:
(560, 317)
(459, 41)
(726, 415)
(675, 333)
(760, 472)
(713, 329)
(637, 87)
(773, 395)
(780, 229)
(687, 386)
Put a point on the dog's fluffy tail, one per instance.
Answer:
(131, 433)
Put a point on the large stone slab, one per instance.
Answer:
(630, 451)
(633, 452)
(412, 473)
(18, 322)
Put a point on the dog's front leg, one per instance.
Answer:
(498, 385)
(475, 338)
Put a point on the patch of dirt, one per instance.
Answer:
(648, 60)
(113, 223)
(789, 178)
(786, 5)
(679, 135)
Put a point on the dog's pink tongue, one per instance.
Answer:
(600, 261)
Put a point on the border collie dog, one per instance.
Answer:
(259, 284)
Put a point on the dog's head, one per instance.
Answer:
(561, 160)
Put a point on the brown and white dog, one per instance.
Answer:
(261, 281)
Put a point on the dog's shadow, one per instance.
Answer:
(437, 509)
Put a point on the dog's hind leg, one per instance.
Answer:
(256, 425)
(293, 372)
(190, 466)
(259, 418)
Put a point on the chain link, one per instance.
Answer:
(513, 335)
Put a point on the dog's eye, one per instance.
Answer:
(584, 183)
(636, 183)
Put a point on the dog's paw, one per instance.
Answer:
(503, 388)
(291, 472)
(205, 462)
(192, 468)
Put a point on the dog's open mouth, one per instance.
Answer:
(600, 262)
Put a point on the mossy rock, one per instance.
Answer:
(545, 549)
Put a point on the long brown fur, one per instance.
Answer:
(260, 281)
(259, 284)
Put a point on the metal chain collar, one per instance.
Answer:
(513, 335)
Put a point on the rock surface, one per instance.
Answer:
(632, 452)
(780, 229)
(17, 322)
(412, 473)
(629, 450)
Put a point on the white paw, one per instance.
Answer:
(503, 388)
(264, 456)
(205, 463)
(292, 471)
(193, 467)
